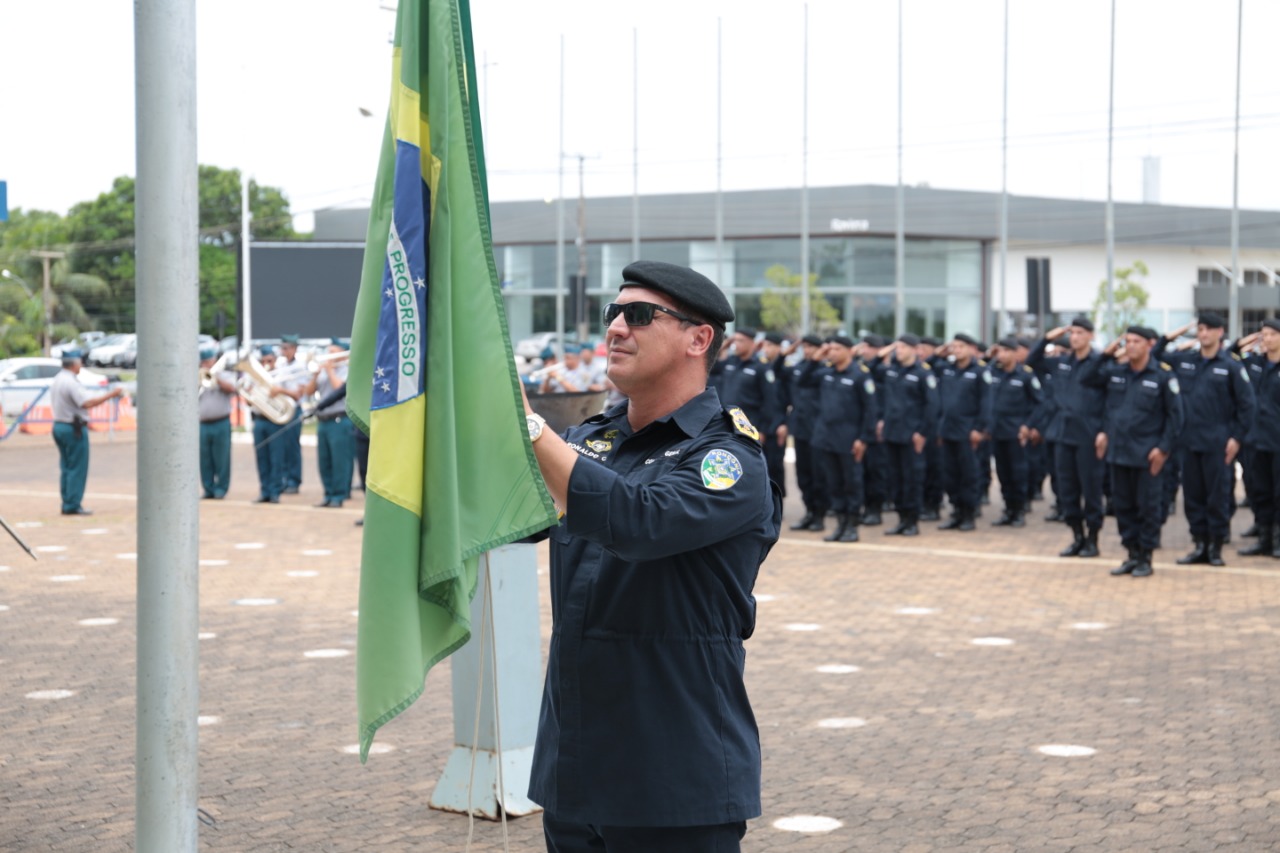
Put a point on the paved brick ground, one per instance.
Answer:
(1172, 680)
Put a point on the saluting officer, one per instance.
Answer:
(1141, 428)
(1264, 439)
(744, 380)
(875, 465)
(801, 404)
(1038, 456)
(908, 422)
(962, 392)
(930, 353)
(846, 423)
(1218, 403)
(1077, 420)
(1015, 398)
(775, 432)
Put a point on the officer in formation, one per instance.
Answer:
(71, 403)
(743, 377)
(1219, 404)
(963, 385)
(1262, 447)
(1142, 422)
(292, 376)
(217, 390)
(845, 426)
(802, 405)
(908, 422)
(335, 443)
(1014, 402)
(931, 353)
(876, 462)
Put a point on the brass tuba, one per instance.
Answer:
(255, 387)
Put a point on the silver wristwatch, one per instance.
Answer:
(536, 424)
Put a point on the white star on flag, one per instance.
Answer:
(420, 283)
(381, 371)
(389, 293)
(386, 387)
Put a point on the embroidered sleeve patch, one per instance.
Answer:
(720, 470)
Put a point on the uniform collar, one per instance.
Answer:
(691, 418)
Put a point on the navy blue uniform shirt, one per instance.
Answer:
(750, 384)
(1217, 397)
(645, 719)
(909, 401)
(800, 404)
(1144, 411)
(1078, 402)
(846, 405)
(1014, 401)
(962, 393)
(1265, 374)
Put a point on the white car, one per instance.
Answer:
(22, 380)
(104, 353)
(84, 342)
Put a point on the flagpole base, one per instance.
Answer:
(450, 794)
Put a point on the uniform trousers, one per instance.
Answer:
(960, 472)
(335, 449)
(292, 452)
(876, 473)
(1265, 465)
(1079, 486)
(270, 457)
(362, 453)
(1136, 497)
(568, 837)
(1206, 479)
(73, 462)
(215, 457)
(1011, 468)
(1170, 478)
(844, 483)
(933, 476)
(774, 456)
(1036, 468)
(983, 457)
(906, 472)
(809, 477)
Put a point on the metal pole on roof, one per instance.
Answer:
(804, 190)
(1004, 185)
(560, 282)
(168, 526)
(1233, 305)
(246, 322)
(900, 254)
(635, 146)
(719, 158)
(1111, 215)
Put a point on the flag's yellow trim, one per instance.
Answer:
(409, 123)
(396, 453)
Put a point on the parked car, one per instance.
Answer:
(22, 380)
(103, 353)
(532, 346)
(84, 342)
(127, 355)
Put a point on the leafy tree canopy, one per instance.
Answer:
(780, 303)
(1129, 298)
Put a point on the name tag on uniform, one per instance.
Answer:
(846, 381)
(1016, 383)
(971, 376)
(829, 378)
(1119, 380)
(911, 377)
(750, 371)
(1147, 383)
(1063, 366)
(1221, 371)
(1186, 365)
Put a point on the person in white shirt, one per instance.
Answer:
(71, 402)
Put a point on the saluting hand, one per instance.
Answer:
(1100, 445)
(1156, 458)
(1054, 334)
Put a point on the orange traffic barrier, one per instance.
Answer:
(38, 421)
(113, 415)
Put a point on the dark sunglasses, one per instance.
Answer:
(641, 313)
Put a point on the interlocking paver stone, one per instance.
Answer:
(1171, 680)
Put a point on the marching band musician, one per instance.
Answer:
(269, 450)
(335, 444)
(292, 376)
(214, 410)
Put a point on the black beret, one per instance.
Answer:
(773, 337)
(1271, 323)
(1009, 343)
(965, 339)
(931, 341)
(873, 340)
(909, 339)
(746, 330)
(1024, 342)
(842, 340)
(693, 290)
(812, 339)
(1212, 320)
(1142, 332)
(1082, 322)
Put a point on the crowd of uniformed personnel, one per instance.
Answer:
(879, 425)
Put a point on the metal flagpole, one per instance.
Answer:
(560, 283)
(900, 253)
(719, 155)
(1111, 214)
(168, 518)
(1004, 185)
(246, 322)
(635, 144)
(804, 190)
(1233, 305)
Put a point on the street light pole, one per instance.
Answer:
(46, 258)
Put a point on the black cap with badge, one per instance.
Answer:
(691, 290)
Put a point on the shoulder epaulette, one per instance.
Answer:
(865, 369)
(1026, 369)
(1165, 366)
(741, 423)
(1236, 356)
(925, 365)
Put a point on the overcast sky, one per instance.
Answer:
(282, 82)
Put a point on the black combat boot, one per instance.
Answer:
(803, 523)
(1090, 547)
(871, 516)
(1005, 519)
(1128, 565)
(842, 522)
(931, 513)
(911, 527)
(1261, 548)
(1019, 518)
(850, 532)
(1215, 552)
(897, 529)
(1055, 514)
(1199, 554)
(954, 521)
(1077, 542)
(1275, 541)
(966, 519)
(1143, 568)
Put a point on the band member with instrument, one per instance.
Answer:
(291, 378)
(217, 388)
(335, 444)
(71, 404)
(269, 451)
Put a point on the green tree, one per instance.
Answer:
(1129, 298)
(780, 303)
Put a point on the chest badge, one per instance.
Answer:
(720, 470)
(613, 433)
(600, 446)
(742, 425)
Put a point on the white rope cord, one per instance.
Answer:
(475, 732)
(497, 715)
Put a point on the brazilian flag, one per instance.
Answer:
(432, 376)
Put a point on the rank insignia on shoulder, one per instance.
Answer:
(743, 425)
(865, 369)
(720, 470)
(600, 446)
(1164, 366)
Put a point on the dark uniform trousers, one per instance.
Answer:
(565, 837)
(876, 473)
(291, 451)
(1137, 498)
(270, 457)
(215, 456)
(906, 472)
(933, 477)
(1206, 484)
(774, 460)
(809, 477)
(73, 454)
(335, 449)
(983, 457)
(1265, 465)
(1011, 468)
(1080, 475)
(844, 483)
(960, 469)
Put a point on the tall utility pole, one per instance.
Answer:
(1111, 213)
(580, 285)
(635, 145)
(46, 258)
(804, 189)
(899, 242)
(720, 155)
(560, 219)
(1004, 185)
(1233, 306)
